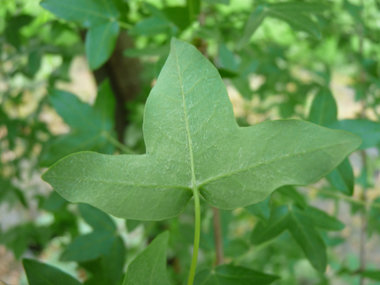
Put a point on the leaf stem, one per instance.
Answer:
(197, 235)
(118, 144)
(218, 237)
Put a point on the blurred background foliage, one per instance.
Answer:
(63, 61)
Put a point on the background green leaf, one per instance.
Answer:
(42, 274)
(230, 274)
(368, 131)
(149, 267)
(88, 246)
(97, 219)
(86, 12)
(100, 43)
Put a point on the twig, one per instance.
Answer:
(218, 237)
(363, 226)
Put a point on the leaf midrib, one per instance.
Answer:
(193, 179)
(121, 183)
(193, 174)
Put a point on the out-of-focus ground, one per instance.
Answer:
(83, 85)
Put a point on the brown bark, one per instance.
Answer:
(123, 73)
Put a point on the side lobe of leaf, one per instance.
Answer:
(142, 193)
(273, 154)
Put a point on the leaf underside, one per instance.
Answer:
(194, 142)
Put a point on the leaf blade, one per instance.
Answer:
(42, 274)
(149, 267)
(86, 12)
(100, 43)
(198, 145)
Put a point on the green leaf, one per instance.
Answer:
(368, 131)
(194, 7)
(300, 7)
(88, 246)
(54, 202)
(235, 247)
(298, 22)
(354, 10)
(178, 15)
(149, 267)
(113, 262)
(374, 218)
(198, 146)
(105, 105)
(107, 269)
(371, 274)
(43, 274)
(277, 223)
(322, 220)
(292, 193)
(90, 125)
(152, 26)
(13, 27)
(324, 110)
(294, 13)
(301, 225)
(297, 15)
(86, 12)
(97, 219)
(229, 274)
(227, 58)
(133, 224)
(254, 21)
(310, 241)
(342, 177)
(100, 43)
(34, 63)
(225, 2)
(73, 142)
(260, 210)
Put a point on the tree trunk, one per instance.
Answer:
(124, 76)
